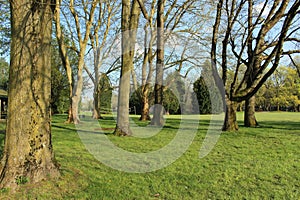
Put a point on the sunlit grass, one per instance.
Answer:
(253, 163)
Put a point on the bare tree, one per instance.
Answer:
(149, 55)
(79, 41)
(99, 39)
(64, 56)
(28, 154)
(173, 16)
(255, 37)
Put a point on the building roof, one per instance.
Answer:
(3, 93)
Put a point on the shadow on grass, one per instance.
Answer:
(284, 125)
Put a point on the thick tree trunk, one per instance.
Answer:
(130, 18)
(145, 116)
(249, 115)
(157, 119)
(28, 153)
(122, 127)
(77, 90)
(230, 122)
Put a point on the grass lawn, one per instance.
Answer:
(253, 163)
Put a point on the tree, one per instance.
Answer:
(79, 35)
(176, 20)
(147, 65)
(4, 27)
(100, 36)
(281, 91)
(4, 42)
(136, 100)
(64, 56)
(202, 93)
(4, 69)
(105, 93)
(157, 119)
(129, 25)
(29, 97)
(256, 37)
(171, 103)
(295, 62)
(60, 102)
(174, 87)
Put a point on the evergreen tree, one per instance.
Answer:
(203, 98)
(105, 94)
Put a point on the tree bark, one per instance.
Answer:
(147, 76)
(75, 105)
(230, 122)
(70, 80)
(81, 51)
(28, 154)
(96, 109)
(130, 18)
(97, 64)
(157, 119)
(249, 115)
(145, 116)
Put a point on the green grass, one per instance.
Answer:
(253, 163)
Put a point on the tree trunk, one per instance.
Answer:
(70, 115)
(77, 91)
(28, 154)
(145, 104)
(122, 127)
(230, 122)
(96, 109)
(147, 74)
(64, 58)
(130, 18)
(70, 111)
(96, 80)
(249, 115)
(82, 40)
(75, 104)
(157, 119)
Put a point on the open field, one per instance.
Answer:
(253, 163)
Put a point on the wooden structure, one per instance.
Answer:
(3, 104)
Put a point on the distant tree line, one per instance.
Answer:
(281, 92)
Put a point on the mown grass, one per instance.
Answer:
(253, 163)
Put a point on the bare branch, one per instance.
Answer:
(295, 64)
(143, 9)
